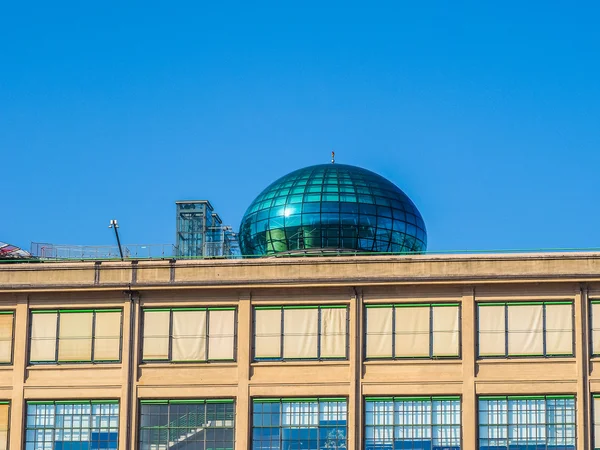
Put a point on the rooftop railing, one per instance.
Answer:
(46, 251)
(54, 252)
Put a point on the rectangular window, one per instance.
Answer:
(300, 332)
(523, 422)
(75, 336)
(7, 319)
(72, 425)
(413, 330)
(412, 422)
(595, 324)
(299, 423)
(187, 423)
(189, 334)
(4, 420)
(525, 329)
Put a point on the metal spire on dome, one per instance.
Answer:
(332, 157)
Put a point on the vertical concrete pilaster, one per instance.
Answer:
(130, 358)
(581, 356)
(17, 403)
(355, 368)
(469, 361)
(244, 354)
(126, 422)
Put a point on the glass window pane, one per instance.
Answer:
(421, 423)
(536, 422)
(198, 423)
(303, 424)
(72, 426)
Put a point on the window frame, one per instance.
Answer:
(58, 312)
(281, 400)
(594, 352)
(12, 341)
(524, 397)
(393, 399)
(181, 401)
(282, 308)
(7, 402)
(54, 428)
(594, 419)
(393, 307)
(544, 354)
(169, 359)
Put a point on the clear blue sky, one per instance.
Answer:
(487, 114)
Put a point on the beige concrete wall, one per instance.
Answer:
(351, 281)
(273, 272)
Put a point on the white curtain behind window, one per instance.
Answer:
(75, 336)
(107, 336)
(300, 333)
(596, 328)
(43, 337)
(559, 329)
(189, 336)
(156, 334)
(492, 329)
(6, 334)
(525, 330)
(445, 331)
(221, 334)
(333, 332)
(267, 340)
(379, 332)
(412, 331)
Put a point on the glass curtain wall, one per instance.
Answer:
(415, 423)
(72, 425)
(190, 424)
(527, 422)
(299, 423)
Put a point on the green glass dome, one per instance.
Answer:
(331, 208)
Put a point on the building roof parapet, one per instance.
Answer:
(465, 269)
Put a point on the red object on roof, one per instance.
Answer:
(12, 251)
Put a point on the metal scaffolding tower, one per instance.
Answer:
(201, 233)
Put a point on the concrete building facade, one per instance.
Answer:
(376, 352)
